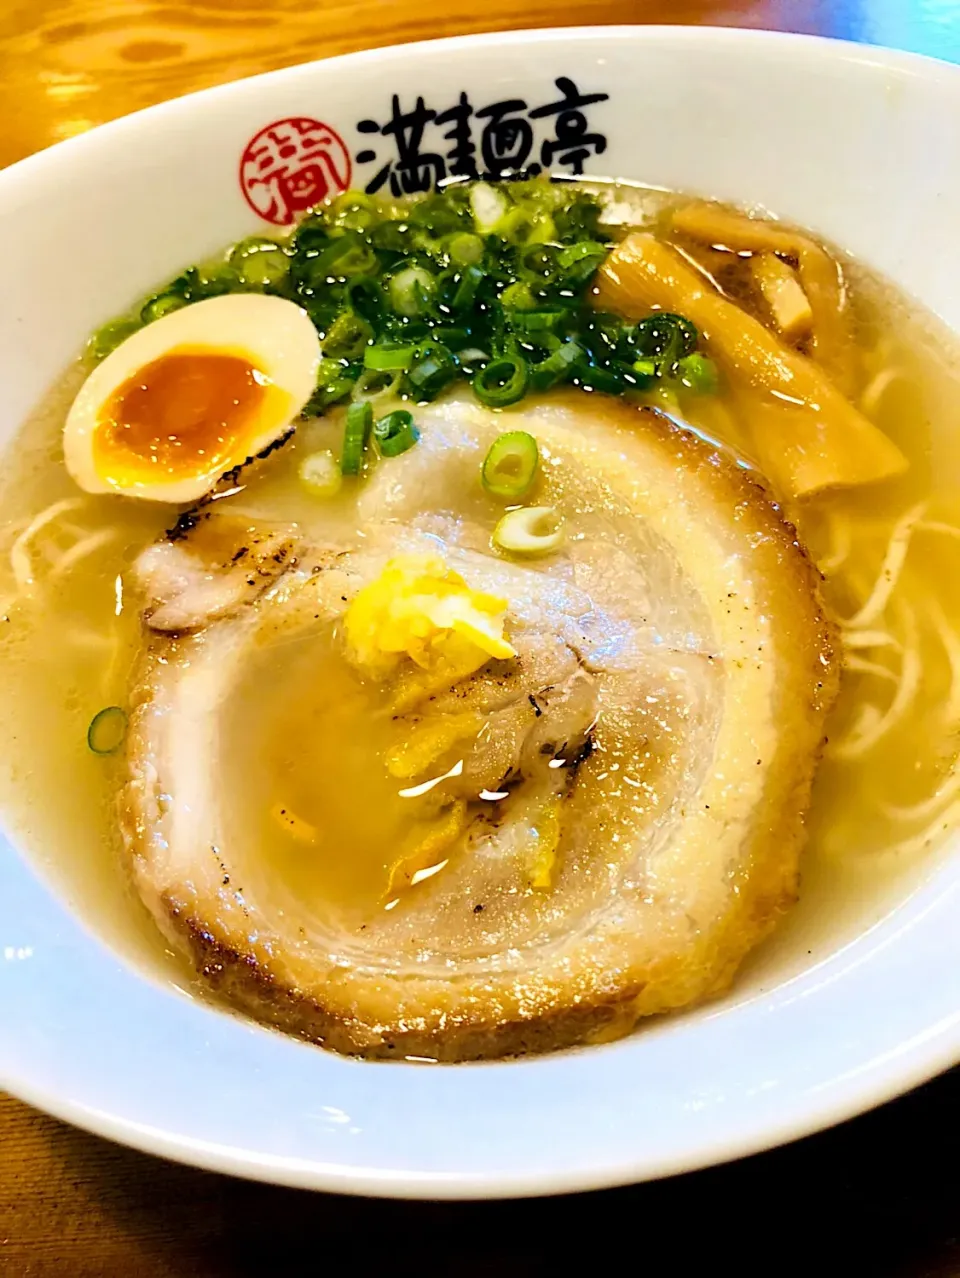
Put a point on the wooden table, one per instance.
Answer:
(879, 1196)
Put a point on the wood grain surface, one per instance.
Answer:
(876, 1197)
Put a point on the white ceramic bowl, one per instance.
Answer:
(859, 144)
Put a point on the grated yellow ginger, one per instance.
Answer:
(419, 608)
(547, 846)
(426, 848)
(429, 741)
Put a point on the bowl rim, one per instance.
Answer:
(881, 56)
(928, 1055)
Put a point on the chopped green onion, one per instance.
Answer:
(665, 337)
(538, 321)
(335, 381)
(355, 436)
(579, 262)
(577, 252)
(470, 280)
(366, 297)
(557, 367)
(261, 262)
(320, 474)
(488, 205)
(510, 467)
(388, 358)
(354, 211)
(395, 433)
(527, 226)
(604, 337)
(373, 385)
(465, 249)
(107, 730)
(579, 219)
(438, 214)
(109, 337)
(540, 260)
(186, 284)
(343, 257)
(411, 291)
(393, 237)
(161, 305)
(501, 382)
(530, 530)
(312, 236)
(517, 296)
(434, 370)
(697, 373)
(347, 337)
(453, 338)
(252, 244)
(268, 269)
(471, 359)
(481, 281)
(597, 377)
(214, 282)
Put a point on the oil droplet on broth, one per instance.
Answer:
(317, 811)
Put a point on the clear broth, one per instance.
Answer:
(69, 643)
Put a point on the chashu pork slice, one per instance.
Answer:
(653, 744)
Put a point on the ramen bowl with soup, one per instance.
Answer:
(482, 673)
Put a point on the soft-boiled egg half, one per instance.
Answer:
(190, 396)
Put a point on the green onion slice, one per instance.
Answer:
(354, 211)
(501, 382)
(393, 237)
(452, 337)
(261, 262)
(540, 260)
(161, 305)
(464, 248)
(556, 367)
(510, 467)
(471, 359)
(109, 337)
(388, 359)
(665, 337)
(598, 377)
(373, 385)
(518, 297)
(529, 530)
(355, 436)
(107, 730)
(347, 337)
(434, 370)
(578, 262)
(411, 291)
(698, 373)
(488, 205)
(343, 257)
(320, 474)
(577, 252)
(366, 297)
(543, 321)
(470, 280)
(395, 433)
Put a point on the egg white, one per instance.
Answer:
(277, 336)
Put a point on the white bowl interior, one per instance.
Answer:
(854, 1001)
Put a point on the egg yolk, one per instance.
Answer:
(185, 414)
